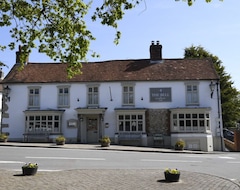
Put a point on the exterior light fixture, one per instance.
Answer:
(6, 92)
(212, 87)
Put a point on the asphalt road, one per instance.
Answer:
(225, 165)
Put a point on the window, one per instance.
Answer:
(63, 96)
(192, 94)
(128, 94)
(34, 97)
(131, 121)
(93, 96)
(43, 122)
(190, 121)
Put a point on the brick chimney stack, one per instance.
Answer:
(155, 52)
(18, 53)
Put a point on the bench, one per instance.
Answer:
(42, 136)
(129, 136)
(158, 139)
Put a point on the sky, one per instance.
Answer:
(215, 26)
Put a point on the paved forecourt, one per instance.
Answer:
(110, 180)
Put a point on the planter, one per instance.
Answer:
(171, 177)
(60, 143)
(3, 140)
(29, 171)
(105, 144)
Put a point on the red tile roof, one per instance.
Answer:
(116, 70)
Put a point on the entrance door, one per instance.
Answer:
(92, 129)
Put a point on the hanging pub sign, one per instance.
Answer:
(160, 95)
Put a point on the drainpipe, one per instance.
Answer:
(219, 115)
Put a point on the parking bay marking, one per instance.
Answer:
(67, 158)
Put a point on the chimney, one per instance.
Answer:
(155, 52)
(18, 53)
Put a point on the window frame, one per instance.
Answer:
(43, 121)
(192, 94)
(93, 96)
(191, 120)
(64, 97)
(33, 98)
(128, 97)
(135, 119)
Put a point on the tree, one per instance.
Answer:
(229, 95)
(58, 27)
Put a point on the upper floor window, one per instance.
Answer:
(34, 97)
(128, 94)
(63, 96)
(192, 97)
(93, 95)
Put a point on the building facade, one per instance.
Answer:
(143, 102)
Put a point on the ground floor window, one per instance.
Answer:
(190, 120)
(43, 121)
(131, 121)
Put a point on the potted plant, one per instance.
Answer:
(29, 169)
(172, 175)
(180, 144)
(105, 141)
(3, 137)
(60, 140)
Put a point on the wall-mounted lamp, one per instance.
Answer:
(141, 98)
(212, 87)
(6, 92)
(106, 125)
(81, 119)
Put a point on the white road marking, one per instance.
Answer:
(231, 162)
(227, 157)
(66, 158)
(206, 156)
(11, 162)
(149, 160)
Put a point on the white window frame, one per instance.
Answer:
(34, 97)
(93, 96)
(43, 121)
(192, 93)
(128, 94)
(64, 97)
(190, 120)
(131, 121)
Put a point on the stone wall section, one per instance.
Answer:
(158, 122)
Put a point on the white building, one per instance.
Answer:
(135, 102)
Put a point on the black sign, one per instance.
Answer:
(160, 95)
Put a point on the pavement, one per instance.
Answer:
(109, 179)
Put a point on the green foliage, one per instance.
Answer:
(180, 144)
(172, 171)
(58, 28)
(229, 94)
(60, 139)
(30, 165)
(3, 136)
(105, 139)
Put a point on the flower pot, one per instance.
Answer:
(171, 177)
(60, 143)
(103, 144)
(29, 171)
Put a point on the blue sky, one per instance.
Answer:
(215, 26)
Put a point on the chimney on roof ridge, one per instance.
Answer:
(18, 53)
(155, 52)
